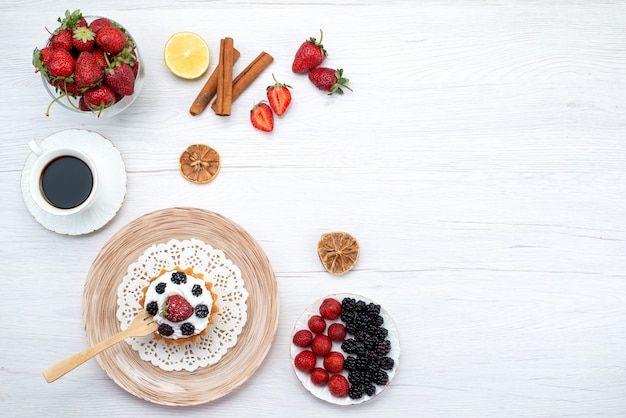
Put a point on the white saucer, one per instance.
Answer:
(112, 187)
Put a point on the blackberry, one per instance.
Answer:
(358, 377)
(360, 363)
(178, 277)
(347, 316)
(377, 320)
(383, 348)
(380, 377)
(165, 330)
(381, 333)
(160, 288)
(348, 304)
(370, 390)
(372, 309)
(356, 391)
(349, 363)
(371, 356)
(351, 328)
(385, 363)
(349, 345)
(362, 321)
(202, 311)
(360, 306)
(187, 328)
(152, 308)
(196, 290)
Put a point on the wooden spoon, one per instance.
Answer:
(142, 324)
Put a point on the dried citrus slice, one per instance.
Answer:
(338, 251)
(186, 55)
(199, 163)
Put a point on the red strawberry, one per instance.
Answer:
(99, 98)
(338, 386)
(82, 105)
(62, 39)
(310, 54)
(333, 362)
(87, 71)
(330, 308)
(319, 376)
(337, 332)
(177, 308)
(279, 96)
(83, 38)
(100, 58)
(61, 63)
(99, 23)
(262, 117)
(120, 78)
(302, 338)
(305, 361)
(321, 345)
(46, 54)
(329, 80)
(316, 324)
(111, 40)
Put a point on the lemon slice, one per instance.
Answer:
(338, 251)
(186, 55)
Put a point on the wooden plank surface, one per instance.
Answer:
(480, 162)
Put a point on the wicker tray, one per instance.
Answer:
(123, 364)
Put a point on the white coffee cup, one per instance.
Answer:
(59, 179)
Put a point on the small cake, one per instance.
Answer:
(183, 304)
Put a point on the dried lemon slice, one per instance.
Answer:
(339, 252)
(199, 163)
(186, 55)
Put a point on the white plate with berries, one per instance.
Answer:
(345, 349)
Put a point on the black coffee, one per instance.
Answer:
(66, 182)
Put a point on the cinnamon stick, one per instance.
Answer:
(209, 89)
(225, 78)
(248, 75)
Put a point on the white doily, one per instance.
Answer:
(231, 301)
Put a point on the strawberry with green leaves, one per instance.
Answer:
(120, 78)
(328, 79)
(83, 39)
(262, 117)
(309, 55)
(99, 98)
(278, 96)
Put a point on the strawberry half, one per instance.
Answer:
(262, 117)
(309, 55)
(329, 80)
(279, 97)
(177, 308)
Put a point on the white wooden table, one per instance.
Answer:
(480, 162)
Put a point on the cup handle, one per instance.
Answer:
(35, 147)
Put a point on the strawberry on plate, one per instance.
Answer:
(305, 361)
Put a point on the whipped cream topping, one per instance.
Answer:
(184, 290)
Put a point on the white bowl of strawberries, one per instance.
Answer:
(90, 65)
